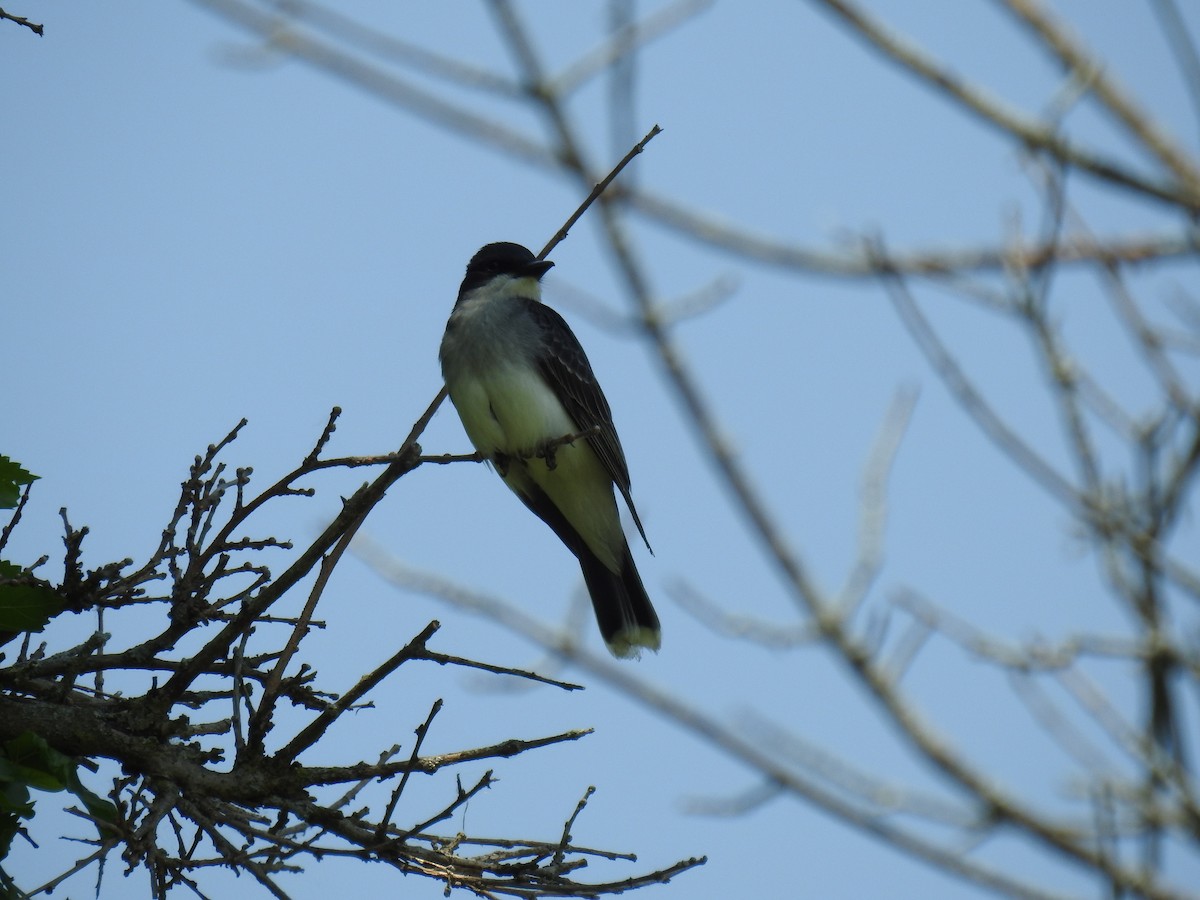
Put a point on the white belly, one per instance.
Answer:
(512, 411)
(515, 413)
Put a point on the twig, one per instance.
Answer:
(260, 722)
(421, 731)
(626, 41)
(447, 659)
(344, 66)
(1175, 30)
(99, 854)
(597, 190)
(1030, 133)
(461, 797)
(21, 20)
(307, 736)
(873, 502)
(768, 634)
(392, 49)
(330, 427)
(16, 516)
(565, 842)
(965, 393)
(788, 255)
(1100, 83)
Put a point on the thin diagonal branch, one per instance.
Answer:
(1030, 133)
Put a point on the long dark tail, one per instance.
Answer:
(624, 613)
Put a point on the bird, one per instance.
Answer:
(531, 405)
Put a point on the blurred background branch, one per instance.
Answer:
(1113, 800)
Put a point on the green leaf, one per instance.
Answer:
(14, 799)
(25, 607)
(12, 478)
(97, 806)
(37, 763)
(27, 761)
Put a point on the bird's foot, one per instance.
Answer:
(500, 461)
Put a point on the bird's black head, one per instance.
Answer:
(502, 258)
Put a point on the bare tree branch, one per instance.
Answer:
(21, 20)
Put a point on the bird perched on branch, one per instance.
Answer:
(530, 404)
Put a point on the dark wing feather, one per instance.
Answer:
(566, 369)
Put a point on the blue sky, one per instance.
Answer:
(196, 229)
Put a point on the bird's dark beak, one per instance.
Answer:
(537, 269)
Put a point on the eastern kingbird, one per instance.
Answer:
(521, 384)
